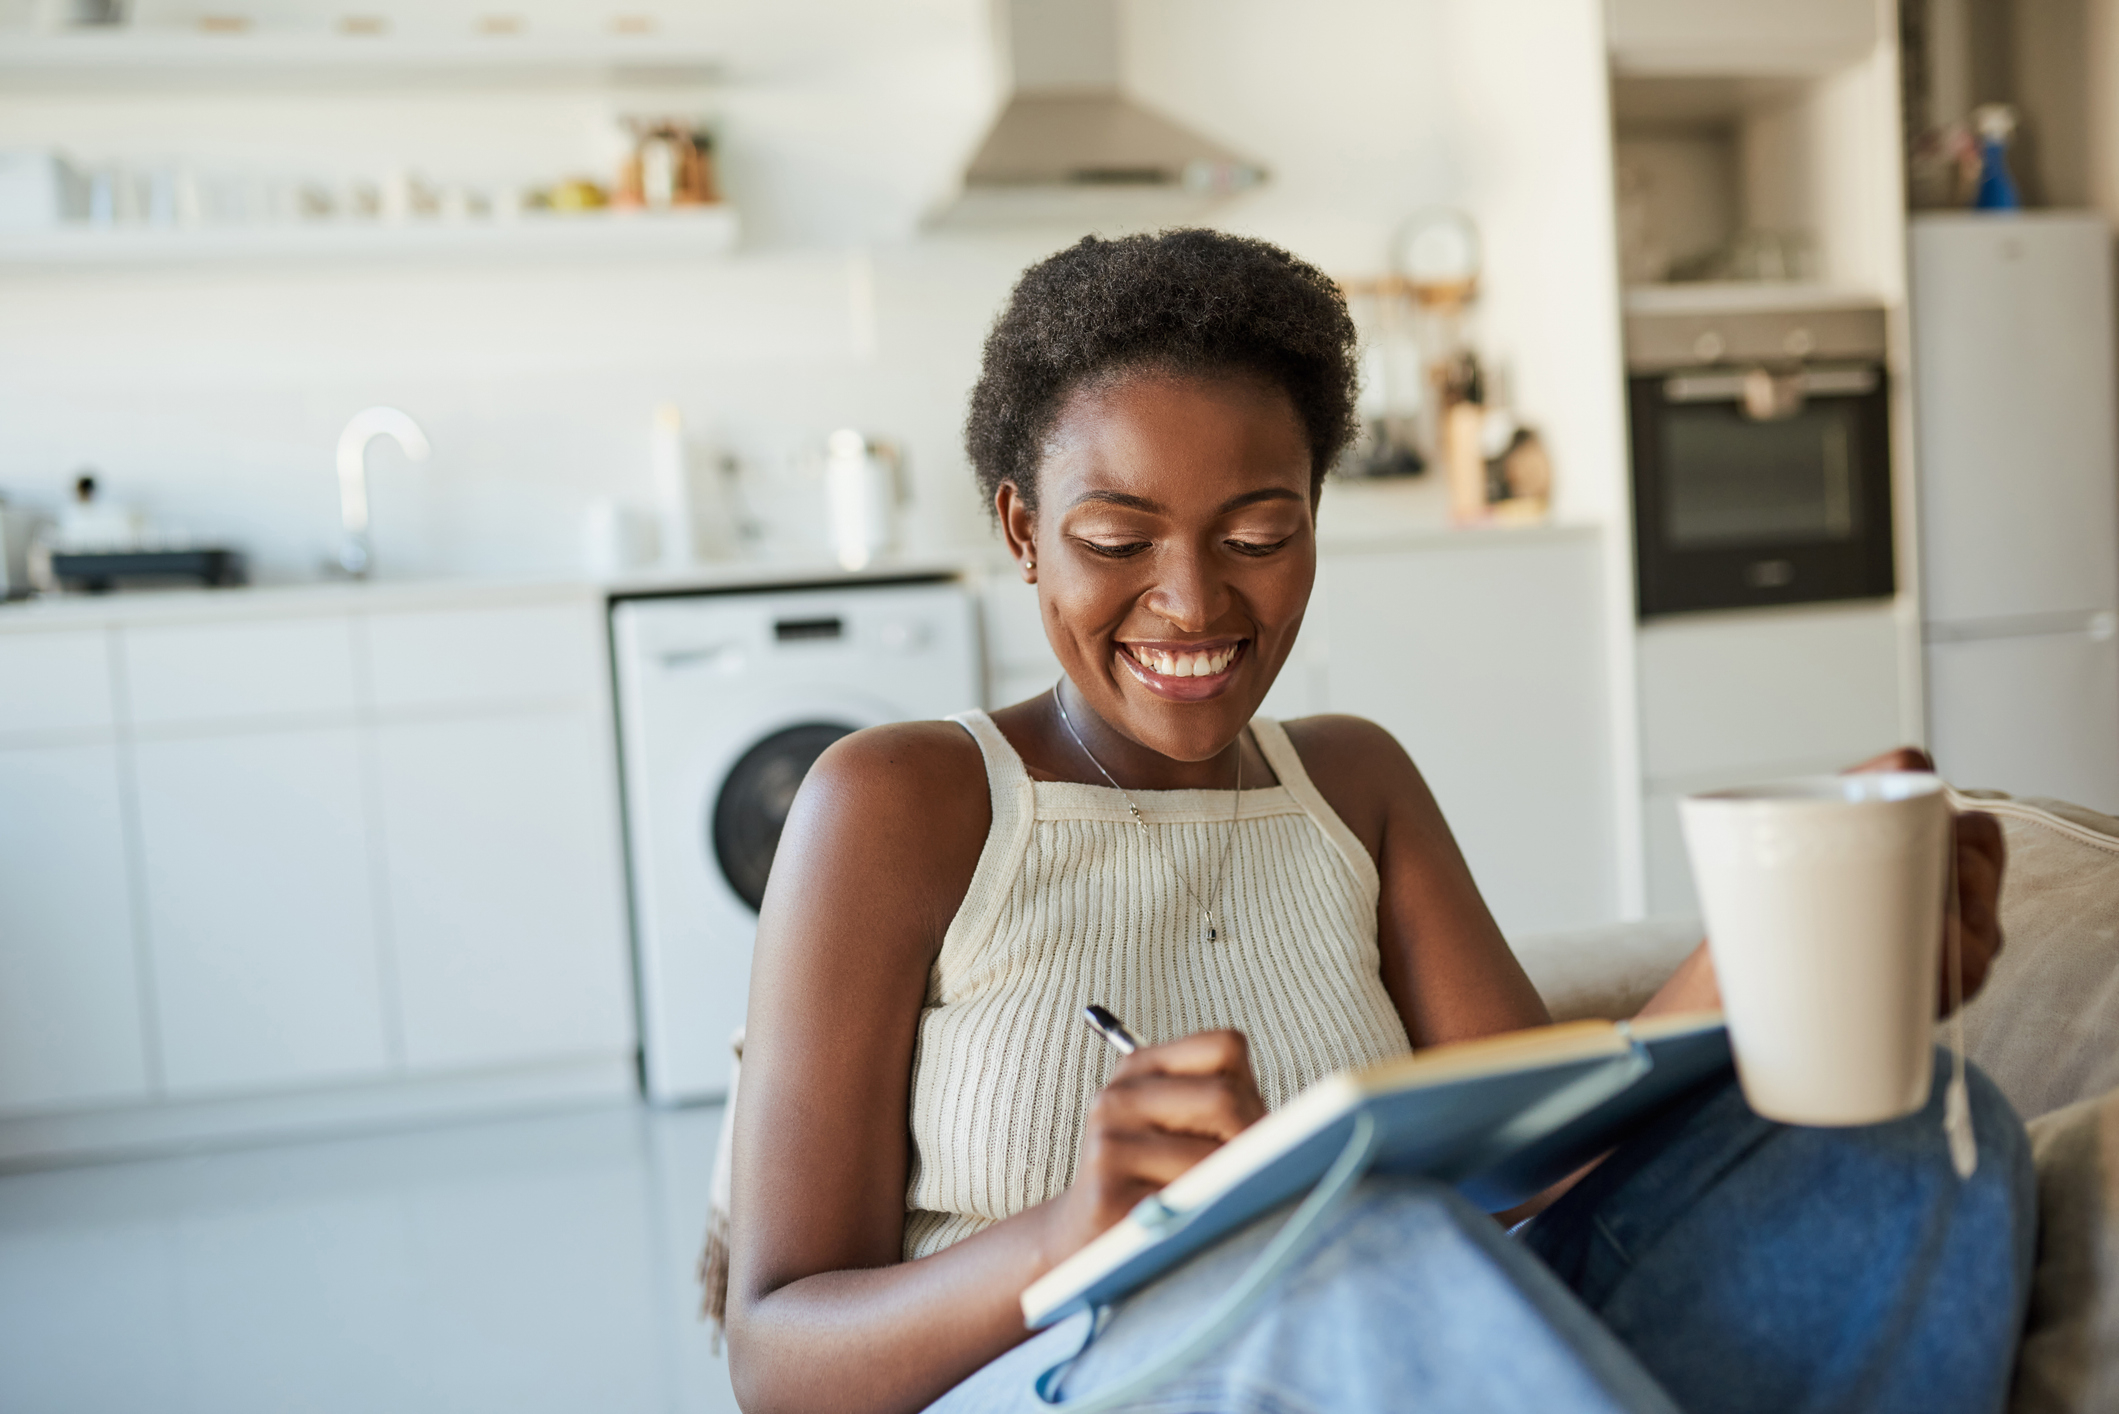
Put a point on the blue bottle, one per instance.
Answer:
(1995, 123)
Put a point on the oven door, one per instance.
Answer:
(1761, 487)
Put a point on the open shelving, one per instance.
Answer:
(132, 59)
(694, 232)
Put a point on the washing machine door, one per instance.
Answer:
(709, 825)
(746, 817)
(726, 702)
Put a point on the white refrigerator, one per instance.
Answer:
(2017, 414)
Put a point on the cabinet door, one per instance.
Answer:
(55, 682)
(261, 911)
(1740, 36)
(1768, 692)
(490, 657)
(1485, 663)
(507, 914)
(249, 672)
(70, 1006)
(2032, 715)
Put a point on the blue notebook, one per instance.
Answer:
(1500, 1119)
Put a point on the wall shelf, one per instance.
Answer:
(164, 60)
(701, 232)
(1745, 296)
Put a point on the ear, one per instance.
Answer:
(1018, 528)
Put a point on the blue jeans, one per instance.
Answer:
(1716, 1263)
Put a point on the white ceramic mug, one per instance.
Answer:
(1824, 906)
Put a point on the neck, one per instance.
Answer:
(1093, 742)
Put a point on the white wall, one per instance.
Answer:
(213, 395)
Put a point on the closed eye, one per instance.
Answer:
(1257, 547)
(1122, 550)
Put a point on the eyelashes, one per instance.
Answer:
(1250, 549)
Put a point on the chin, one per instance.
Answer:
(1188, 715)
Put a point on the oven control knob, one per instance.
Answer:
(1708, 347)
(1800, 342)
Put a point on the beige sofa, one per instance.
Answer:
(2046, 1028)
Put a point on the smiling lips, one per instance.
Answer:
(1186, 672)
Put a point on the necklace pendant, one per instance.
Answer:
(1212, 935)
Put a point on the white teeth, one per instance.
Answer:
(1186, 665)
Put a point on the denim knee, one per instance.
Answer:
(1752, 1265)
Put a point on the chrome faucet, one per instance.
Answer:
(355, 556)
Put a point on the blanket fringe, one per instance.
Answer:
(713, 1276)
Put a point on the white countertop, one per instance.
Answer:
(402, 596)
(1354, 530)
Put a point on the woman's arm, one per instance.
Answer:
(823, 1315)
(1445, 963)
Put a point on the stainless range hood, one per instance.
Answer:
(1071, 144)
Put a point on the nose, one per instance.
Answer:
(1189, 593)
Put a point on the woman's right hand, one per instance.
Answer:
(1164, 1109)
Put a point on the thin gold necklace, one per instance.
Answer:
(1206, 914)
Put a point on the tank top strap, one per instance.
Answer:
(1280, 754)
(1006, 776)
(1014, 797)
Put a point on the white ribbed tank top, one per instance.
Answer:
(1071, 905)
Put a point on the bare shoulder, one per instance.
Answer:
(894, 816)
(926, 765)
(1334, 737)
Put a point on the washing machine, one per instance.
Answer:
(724, 701)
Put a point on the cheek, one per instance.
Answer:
(1082, 607)
(1281, 591)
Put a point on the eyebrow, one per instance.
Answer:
(1142, 503)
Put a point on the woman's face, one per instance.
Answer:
(1174, 548)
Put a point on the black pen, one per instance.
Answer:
(1110, 1028)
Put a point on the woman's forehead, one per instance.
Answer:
(1161, 437)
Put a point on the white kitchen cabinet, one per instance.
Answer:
(271, 855)
(70, 1000)
(1774, 692)
(1484, 659)
(1761, 694)
(56, 681)
(1740, 37)
(222, 674)
(485, 657)
(2030, 714)
(261, 910)
(507, 912)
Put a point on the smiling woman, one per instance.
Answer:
(926, 1127)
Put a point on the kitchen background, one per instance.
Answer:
(839, 128)
(409, 871)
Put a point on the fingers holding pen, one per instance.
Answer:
(1197, 1084)
(1164, 1109)
(1208, 1106)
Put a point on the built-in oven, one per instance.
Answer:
(1761, 458)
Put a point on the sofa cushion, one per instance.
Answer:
(1608, 972)
(2046, 1025)
(2069, 1361)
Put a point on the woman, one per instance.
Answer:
(926, 1127)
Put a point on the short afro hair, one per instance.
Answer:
(1187, 302)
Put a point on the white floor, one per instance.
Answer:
(518, 1265)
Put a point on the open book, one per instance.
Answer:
(1501, 1119)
